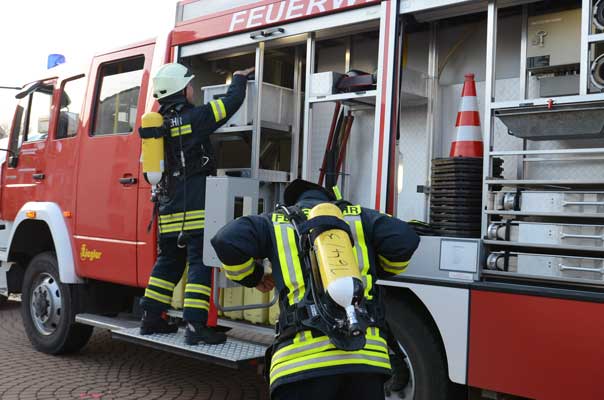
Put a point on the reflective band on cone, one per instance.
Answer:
(468, 140)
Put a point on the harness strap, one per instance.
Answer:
(317, 225)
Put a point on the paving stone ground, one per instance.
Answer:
(107, 369)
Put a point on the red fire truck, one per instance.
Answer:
(503, 297)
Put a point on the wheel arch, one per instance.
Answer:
(45, 231)
(447, 310)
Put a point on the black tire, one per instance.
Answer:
(3, 299)
(418, 339)
(60, 334)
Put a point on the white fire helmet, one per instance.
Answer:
(170, 79)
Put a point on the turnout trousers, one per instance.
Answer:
(355, 386)
(167, 272)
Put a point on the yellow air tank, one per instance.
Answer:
(153, 149)
(338, 266)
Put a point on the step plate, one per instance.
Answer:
(233, 354)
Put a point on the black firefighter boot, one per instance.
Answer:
(197, 332)
(154, 322)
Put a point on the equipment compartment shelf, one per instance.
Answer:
(356, 98)
(536, 182)
(504, 243)
(544, 214)
(558, 122)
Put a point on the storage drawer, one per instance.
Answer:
(552, 202)
(277, 104)
(549, 234)
(551, 267)
(571, 268)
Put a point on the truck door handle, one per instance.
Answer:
(38, 176)
(128, 181)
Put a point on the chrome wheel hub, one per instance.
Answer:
(46, 304)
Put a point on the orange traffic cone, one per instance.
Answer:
(468, 142)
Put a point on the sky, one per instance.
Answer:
(30, 30)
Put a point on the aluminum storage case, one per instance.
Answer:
(552, 202)
(589, 236)
(277, 104)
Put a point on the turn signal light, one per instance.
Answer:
(30, 214)
(67, 214)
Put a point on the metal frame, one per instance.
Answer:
(433, 112)
(586, 16)
(257, 126)
(295, 137)
(310, 67)
(491, 43)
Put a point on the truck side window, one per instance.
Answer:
(72, 98)
(117, 96)
(37, 118)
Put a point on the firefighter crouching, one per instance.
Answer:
(180, 197)
(311, 358)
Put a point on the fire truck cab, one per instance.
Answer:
(503, 299)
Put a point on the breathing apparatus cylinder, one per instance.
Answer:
(153, 149)
(338, 266)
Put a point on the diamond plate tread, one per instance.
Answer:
(232, 353)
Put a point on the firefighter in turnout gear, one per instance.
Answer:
(306, 363)
(189, 159)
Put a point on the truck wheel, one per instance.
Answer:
(428, 376)
(48, 309)
(3, 299)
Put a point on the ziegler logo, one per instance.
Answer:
(286, 10)
(90, 255)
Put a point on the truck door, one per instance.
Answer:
(107, 191)
(24, 169)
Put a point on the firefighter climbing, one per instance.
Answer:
(179, 193)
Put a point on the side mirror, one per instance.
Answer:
(13, 161)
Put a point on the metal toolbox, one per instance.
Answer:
(550, 267)
(552, 202)
(277, 104)
(589, 236)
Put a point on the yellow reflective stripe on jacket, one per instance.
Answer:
(197, 288)
(188, 226)
(393, 267)
(352, 210)
(304, 344)
(218, 109)
(161, 283)
(162, 298)
(190, 215)
(360, 247)
(181, 130)
(240, 271)
(330, 358)
(289, 261)
(197, 303)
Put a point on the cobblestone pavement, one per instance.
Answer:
(108, 369)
